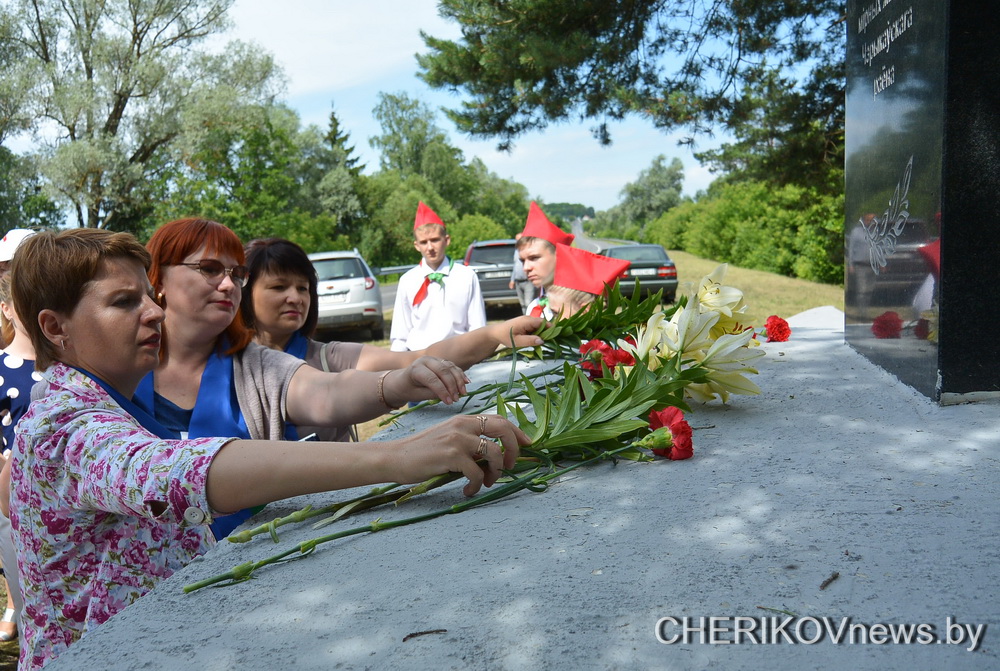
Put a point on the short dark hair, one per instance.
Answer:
(273, 256)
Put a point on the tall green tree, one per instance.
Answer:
(411, 144)
(391, 202)
(334, 172)
(13, 90)
(337, 140)
(22, 202)
(247, 175)
(111, 84)
(408, 129)
(656, 190)
(678, 63)
(785, 135)
(502, 200)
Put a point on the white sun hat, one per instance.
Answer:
(11, 241)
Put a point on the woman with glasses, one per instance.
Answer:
(280, 306)
(214, 381)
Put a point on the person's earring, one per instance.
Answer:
(159, 299)
(63, 343)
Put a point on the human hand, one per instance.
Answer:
(428, 377)
(462, 445)
(523, 328)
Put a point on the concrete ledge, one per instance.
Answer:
(836, 468)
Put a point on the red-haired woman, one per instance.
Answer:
(214, 381)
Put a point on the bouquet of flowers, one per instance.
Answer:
(623, 399)
(702, 332)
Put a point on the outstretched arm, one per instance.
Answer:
(5, 488)
(465, 350)
(316, 398)
(283, 469)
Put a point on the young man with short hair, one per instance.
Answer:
(438, 298)
(537, 249)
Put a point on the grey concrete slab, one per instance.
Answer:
(835, 468)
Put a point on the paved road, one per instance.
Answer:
(388, 296)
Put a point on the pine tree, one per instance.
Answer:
(337, 139)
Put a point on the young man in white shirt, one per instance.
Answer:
(437, 299)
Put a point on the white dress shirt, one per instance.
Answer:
(452, 309)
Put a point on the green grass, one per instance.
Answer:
(765, 293)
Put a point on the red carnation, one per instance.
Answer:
(595, 351)
(619, 356)
(594, 345)
(671, 437)
(887, 325)
(777, 329)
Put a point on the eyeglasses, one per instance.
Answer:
(214, 271)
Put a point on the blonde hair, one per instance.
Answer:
(526, 240)
(437, 228)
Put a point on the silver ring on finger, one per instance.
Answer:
(483, 446)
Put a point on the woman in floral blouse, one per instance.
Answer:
(102, 505)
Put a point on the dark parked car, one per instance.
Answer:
(885, 266)
(493, 261)
(349, 295)
(650, 266)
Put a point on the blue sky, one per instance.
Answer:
(347, 51)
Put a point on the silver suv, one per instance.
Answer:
(349, 295)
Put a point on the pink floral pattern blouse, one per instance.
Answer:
(101, 510)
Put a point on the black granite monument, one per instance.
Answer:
(922, 201)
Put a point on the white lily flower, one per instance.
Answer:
(646, 340)
(730, 352)
(713, 296)
(689, 329)
(722, 385)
